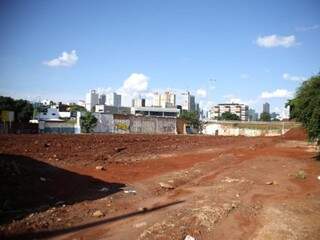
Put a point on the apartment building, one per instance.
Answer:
(241, 110)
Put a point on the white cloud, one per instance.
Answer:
(65, 60)
(136, 82)
(276, 41)
(278, 93)
(307, 28)
(287, 76)
(201, 93)
(133, 86)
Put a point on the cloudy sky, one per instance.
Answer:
(240, 51)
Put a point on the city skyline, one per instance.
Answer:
(57, 50)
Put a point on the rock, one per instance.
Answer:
(270, 183)
(166, 185)
(97, 213)
(42, 179)
(188, 237)
(140, 224)
(142, 209)
(101, 168)
(47, 145)
(119, 149)
(130, 191)
(301, 174)
(318, 177)
(104, 189)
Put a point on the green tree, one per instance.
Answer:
(191, 118)
(88, 122)
(265, 117)
(23, 110)
(305, 106)
(229, 116)
(76, 108)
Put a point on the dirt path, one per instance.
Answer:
(246, 188)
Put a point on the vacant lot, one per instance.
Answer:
(158, 187)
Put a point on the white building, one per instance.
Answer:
(155, 111)
(92, 99)
(113, 99)
(53, 114)
(188, 102)
(139, 102)
(165, 100)
(240, 110)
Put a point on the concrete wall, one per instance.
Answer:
(223, 129)
(109, 123)
(56, 127)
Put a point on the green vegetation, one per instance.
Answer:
(191, 118)
(76, 108)
(229, 116)
(305, 106)
(88, 122)
(265, 117)
(23, 110)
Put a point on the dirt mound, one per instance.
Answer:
(296, 134)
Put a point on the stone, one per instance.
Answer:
(98, 213)
(42, 179)
(140, 224)
(188, 237)
(166, 185)
(101, 168)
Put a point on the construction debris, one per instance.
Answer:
(97, 213)
(101, 168)
(166, 185)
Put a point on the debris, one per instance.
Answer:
(59, 219)
(166, 185)
(42, 179)
(142, 209)
(59, 203)
(104, 189)
(188, 237)
(130, 191)
(119, 149)
(101, 168)
(237, 195)
(269, 183)
(318, 177)
(140, 224)
(47, 144)
(97, 213)
(301, 174)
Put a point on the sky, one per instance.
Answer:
(222, 51)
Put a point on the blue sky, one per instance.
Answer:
(253, 51)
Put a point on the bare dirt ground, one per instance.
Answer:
(158, 187)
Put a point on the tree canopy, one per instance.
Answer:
(229, 116)
(88, 122)
(23, 110)
(305, 106)
(191, 118)
(266, 117)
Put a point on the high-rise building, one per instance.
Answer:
(102, 99)
(252, 115)
(188, 102)
(113, 99)
(168, 100)
(139, 102)
(266, 108)
(240, 110)
(92, 99)
(165, 100)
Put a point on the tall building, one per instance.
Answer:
(266, 108)
(168, 100)
(252, 115)
(102, 99)
(113, 99)
(92, 99)
(164, 100)
(188, 102)
(139, 102)
(240, 110)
